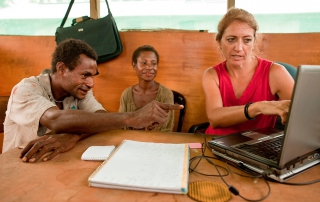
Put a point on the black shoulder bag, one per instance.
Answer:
(101, 34)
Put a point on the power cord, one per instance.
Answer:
(193, 169)
(203, 149)
(231, 188)
(241, 167)
(253, 176)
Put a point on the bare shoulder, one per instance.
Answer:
(278, 70)
(210, 73)
(210, 70)
(210, 76)
(281, 82)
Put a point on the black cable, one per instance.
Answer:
(203, 151)
(204, 142)
(192, 168)
(205, 174)
(233, 190)
(241, 167)
(253, 176)
(230, 187)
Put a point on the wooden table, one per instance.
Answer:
(65, 178)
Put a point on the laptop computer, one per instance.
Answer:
(279, 154)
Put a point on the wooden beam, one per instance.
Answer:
(95, 9)
(231, 3)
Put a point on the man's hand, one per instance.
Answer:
(153, 114)
(54, 143)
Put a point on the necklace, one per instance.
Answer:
(57, 101)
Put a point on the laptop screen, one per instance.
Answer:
(302, 131)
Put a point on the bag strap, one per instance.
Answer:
(69, 8)
(109, 11)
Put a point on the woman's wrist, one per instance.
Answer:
(246, 111)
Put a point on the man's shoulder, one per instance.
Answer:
(44, 75)
(33, 83)
(32, 80)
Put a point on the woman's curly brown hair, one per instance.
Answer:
(232, 15)
(68, 52)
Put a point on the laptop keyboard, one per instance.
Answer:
(268, 149)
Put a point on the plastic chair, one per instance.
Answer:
(293, 72)
(180, 99)
(201, 127)
(291, 69)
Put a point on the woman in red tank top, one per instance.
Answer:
(244, 92)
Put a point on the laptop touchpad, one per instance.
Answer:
(256, 135)
(232, 140)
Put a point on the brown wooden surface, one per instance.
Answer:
(184, 56)
(3, 108)
(1, 142)
(65, 178)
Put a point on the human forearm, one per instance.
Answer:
(81, 122)
(226, 116)
(229, 116)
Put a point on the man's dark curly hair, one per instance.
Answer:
(68, 52)
(143, 48)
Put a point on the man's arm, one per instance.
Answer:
(53, 143)
(59, 143)
(77, 121)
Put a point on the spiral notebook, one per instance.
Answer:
(97, 153)
(145, 166)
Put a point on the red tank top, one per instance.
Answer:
(257, 90)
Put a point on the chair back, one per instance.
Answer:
(291, 69)
(293, 72)
(200, 127)
(180, 99)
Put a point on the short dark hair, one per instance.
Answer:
(143, 48)
(68, 52)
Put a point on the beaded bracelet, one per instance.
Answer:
(246, 111)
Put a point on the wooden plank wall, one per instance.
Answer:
(184, 56)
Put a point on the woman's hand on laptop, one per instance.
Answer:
(280, 108)
(283, 106)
